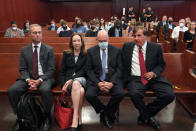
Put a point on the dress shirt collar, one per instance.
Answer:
(39, 45)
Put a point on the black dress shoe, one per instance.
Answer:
(73, 129)
(16, 126)
(47, 124)
(80, 126)
(154, 123)
(105, 120)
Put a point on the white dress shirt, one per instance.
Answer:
(135, 66)
(106, 52)
(40, 71)
(61, 29)
(175, 33)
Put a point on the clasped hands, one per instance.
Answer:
(105, 86)
(33, 84)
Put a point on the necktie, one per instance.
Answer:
(142, 66)
(35, 63)
(103, 63)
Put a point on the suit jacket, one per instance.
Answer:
(159, 26)
(165, 30)
(154, 61)
(50, 28)
(111, 32)
(69, 67)
(47, 60)
(94, 67)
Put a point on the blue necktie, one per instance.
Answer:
(103, 63)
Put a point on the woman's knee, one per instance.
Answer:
(76, 85)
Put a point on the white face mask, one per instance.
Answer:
(181, 24)
(14, 28)
(103, 45)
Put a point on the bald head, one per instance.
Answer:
(102, 36)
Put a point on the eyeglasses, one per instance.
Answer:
(36, 32)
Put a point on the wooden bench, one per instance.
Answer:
(178, 72)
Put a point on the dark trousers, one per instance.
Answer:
(20, 87)
(163, 92)
(117, 94)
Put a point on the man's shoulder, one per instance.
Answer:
(128, 44)
(93, 48)
(47, 46)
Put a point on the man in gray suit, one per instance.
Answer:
(37, 68)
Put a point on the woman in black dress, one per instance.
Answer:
(72, 76)
(189, 36)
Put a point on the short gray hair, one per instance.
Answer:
(35, 25)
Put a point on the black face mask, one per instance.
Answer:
(65, 27)
(93, 27)
(170, 22)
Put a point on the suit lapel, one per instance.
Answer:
(109, 54)
(97, 55)
(148, 55)
(41, 53)
(129, 54)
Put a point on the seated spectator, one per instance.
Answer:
(74, 24)
(103, 25)
(161, 24)
(188, 22)
(26, 28)
(124, 22)
(181, 27)
(189, 36)
(13, 31)
(52, 27)
(72, 77)
(116, 30)
(129, 30)
(79, 27)
(111, 23)
(87, 25)
(168, 26)
(154, 23)
(149, 14)
(63, 27)
(92, 32)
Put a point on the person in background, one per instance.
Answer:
(129, 30)
(52, 27)
(103, 25)
(188, 22)
(26, 27)
(161, 24)
(149, 14)
(131, 14)
(111, 23)
(63, 27)
(168, 26)
(14, 31)
(124, 22)
(72, 76)
(143, 16)
(75, 20)
(189, 35)
(79, 27)
(177, 29)
(92, 32)
(116, 30)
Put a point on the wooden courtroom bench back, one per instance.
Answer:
(9, 68)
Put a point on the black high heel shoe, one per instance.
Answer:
(73, 129)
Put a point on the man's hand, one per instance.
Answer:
(66, 85)
(34, 84)
(149, 75)
(108, 85)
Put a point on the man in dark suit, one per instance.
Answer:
(116, 30)
(161, 24)
(143, 64)
(37, 68)
(104, 75)
(168, 26)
